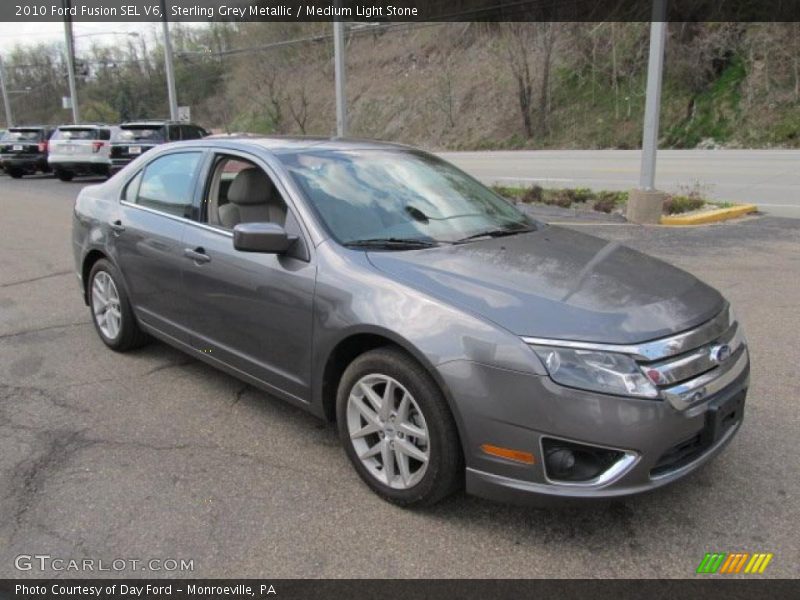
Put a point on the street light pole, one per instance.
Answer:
(173, 97)
(645, 203)
(341, 98)
(6, 102)
(73, 88)
(652, 108)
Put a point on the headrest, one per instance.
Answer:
(250, 186)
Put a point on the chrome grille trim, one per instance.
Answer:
(697, 390)
(657, 349)
(697, 362)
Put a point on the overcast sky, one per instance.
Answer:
(31, 33)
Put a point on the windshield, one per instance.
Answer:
(140, 134)
(29, 135)
(364, 195)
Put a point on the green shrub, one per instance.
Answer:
(533, 194)
(582, 195)
(562, 198)
(607, 201)
(675, 205)
(510, 193)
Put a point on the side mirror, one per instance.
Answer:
(268, 238)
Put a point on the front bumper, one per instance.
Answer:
(518, 410)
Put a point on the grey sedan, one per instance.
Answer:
(454, 340)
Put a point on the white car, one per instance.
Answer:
(81, 150)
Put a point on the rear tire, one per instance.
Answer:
(411, 455)
(111, 310)
(65, 175)
(15, 174)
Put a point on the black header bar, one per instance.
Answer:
(375, 11)
(371, 589)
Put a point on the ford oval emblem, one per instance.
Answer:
(721, 353)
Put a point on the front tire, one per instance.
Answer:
(65, 175)
(397, 429)
(15, 173)
(112, 314)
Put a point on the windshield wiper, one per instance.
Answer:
(495, 233)
(391, 242)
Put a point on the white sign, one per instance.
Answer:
(66, 102)
(184, 114)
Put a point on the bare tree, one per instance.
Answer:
(528, 48)
(444, 99)
(298, 108)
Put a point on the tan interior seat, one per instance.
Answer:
(252, 198)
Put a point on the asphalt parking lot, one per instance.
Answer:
(155, 455)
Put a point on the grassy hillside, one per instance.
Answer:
(451, 86)
(454, 86)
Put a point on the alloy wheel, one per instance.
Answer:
(388, 431)
(106, 305)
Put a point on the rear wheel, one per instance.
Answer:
(397, 429)
(15, 173)
(111, 310)
(65, 175)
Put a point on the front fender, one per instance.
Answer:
(352, 298)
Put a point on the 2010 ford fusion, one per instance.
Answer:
(454, 340)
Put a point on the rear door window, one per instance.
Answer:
(142, 134)
(73, 133)
(190, 132)
(22, 135)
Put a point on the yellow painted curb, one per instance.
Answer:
(712, 216)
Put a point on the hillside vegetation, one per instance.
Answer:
(456, 86)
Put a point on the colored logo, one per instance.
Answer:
(734, 562)
(720, 354)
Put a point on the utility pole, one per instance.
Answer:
(173, 97)
(652, 107)
(645, 203)
(341, 98)
(73, 88)
(6, 103)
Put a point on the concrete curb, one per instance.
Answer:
(712, 216)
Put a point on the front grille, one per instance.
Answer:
(701, 369)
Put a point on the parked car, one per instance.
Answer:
(451, 337)
(23, 150)
(80, 150)
(135, 138)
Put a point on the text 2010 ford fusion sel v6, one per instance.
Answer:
(452, 338)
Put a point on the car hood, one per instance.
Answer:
(559, 283)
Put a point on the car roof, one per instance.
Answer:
(30, 127)
(278, 144)
(87, 126)
(151, 122)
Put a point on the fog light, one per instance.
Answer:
(571, 462)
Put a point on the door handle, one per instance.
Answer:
(198, 254)
(117, 227)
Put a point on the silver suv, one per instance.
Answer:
(81, 150)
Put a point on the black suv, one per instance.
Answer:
(24, 150)
(137, 137)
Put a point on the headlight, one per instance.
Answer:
(606, 372)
